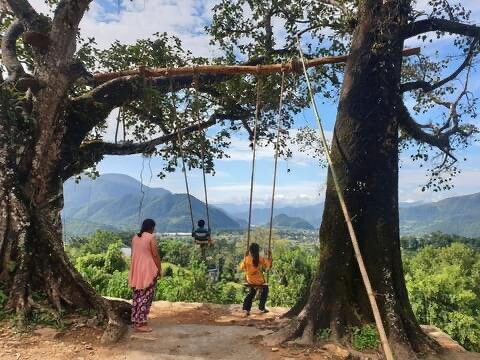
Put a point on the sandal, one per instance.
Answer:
(143, 329)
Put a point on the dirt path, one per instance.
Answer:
(182, 331)
(191, 341)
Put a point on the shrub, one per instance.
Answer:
(323, 334)
(118, 286)
(291, 274)
(365, 338)
(3, 302)
(444, 290)
(114, 260)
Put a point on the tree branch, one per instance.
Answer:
(92, 152)
(432, 24)
(9, 50)
(124, 90)
(441, 135)
(414, 130)
(428, 87)
(147, 147)
(145, 114)
(23, 11)
(292, 66)
(67, 17)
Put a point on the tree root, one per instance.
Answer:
(118, 313)
(287, 333)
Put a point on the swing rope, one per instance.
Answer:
(202, 144)
(254, 148)
(277, 152)
(149, 106)
(119, 118)
(182, 154)
(202, 149)
(371, 295)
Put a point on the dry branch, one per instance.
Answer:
(292, 66)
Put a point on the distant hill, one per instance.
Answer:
(283, 221)
(260, 216)
(456, 215)
(112, 202)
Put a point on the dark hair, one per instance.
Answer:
(255, 252)
(201, 223)
(147, 225)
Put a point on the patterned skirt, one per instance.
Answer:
(142, 301)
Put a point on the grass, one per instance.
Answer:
(365, 338)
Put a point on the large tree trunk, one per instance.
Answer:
(32, 256)
(365, 157)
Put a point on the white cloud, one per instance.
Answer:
(473, 5)
(412, 180)
(140, 19)
(300, 193)
(40, 6)
(240, 150)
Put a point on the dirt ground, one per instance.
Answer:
(182, 331)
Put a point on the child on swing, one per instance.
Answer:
(201, 235)
(252, 265)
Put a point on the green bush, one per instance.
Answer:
(323, 334)
(90, 261)
(118, 286)
(444, 290)
(291, 274)
(3, 302)
(106, 269)
(114, 259)
(168, 271)
(176, 252)
(231, 294)
(365, 338)
(191, 285)
(49, 318)
(97, 277)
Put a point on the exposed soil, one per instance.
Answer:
(182, 331)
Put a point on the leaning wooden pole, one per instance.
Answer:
(363, 271)
(293, 65)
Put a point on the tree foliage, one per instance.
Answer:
(444, 288)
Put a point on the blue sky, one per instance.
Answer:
(305, 181)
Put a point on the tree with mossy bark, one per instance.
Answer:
(373, 125)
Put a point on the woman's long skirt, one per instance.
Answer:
(142, 301)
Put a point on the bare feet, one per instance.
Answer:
(143, 329)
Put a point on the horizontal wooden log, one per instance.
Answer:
(292, 66)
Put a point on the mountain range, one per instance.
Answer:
(118, 203)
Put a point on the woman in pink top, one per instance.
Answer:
(144, 272)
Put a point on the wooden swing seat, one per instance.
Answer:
(247, 285)
(201, 242)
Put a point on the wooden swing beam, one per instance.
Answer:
(293, 65)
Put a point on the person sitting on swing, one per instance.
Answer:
(252, 265)
(201, 235)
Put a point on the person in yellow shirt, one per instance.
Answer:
(252, 265)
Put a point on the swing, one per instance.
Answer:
(277, 152)
(201, 236)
